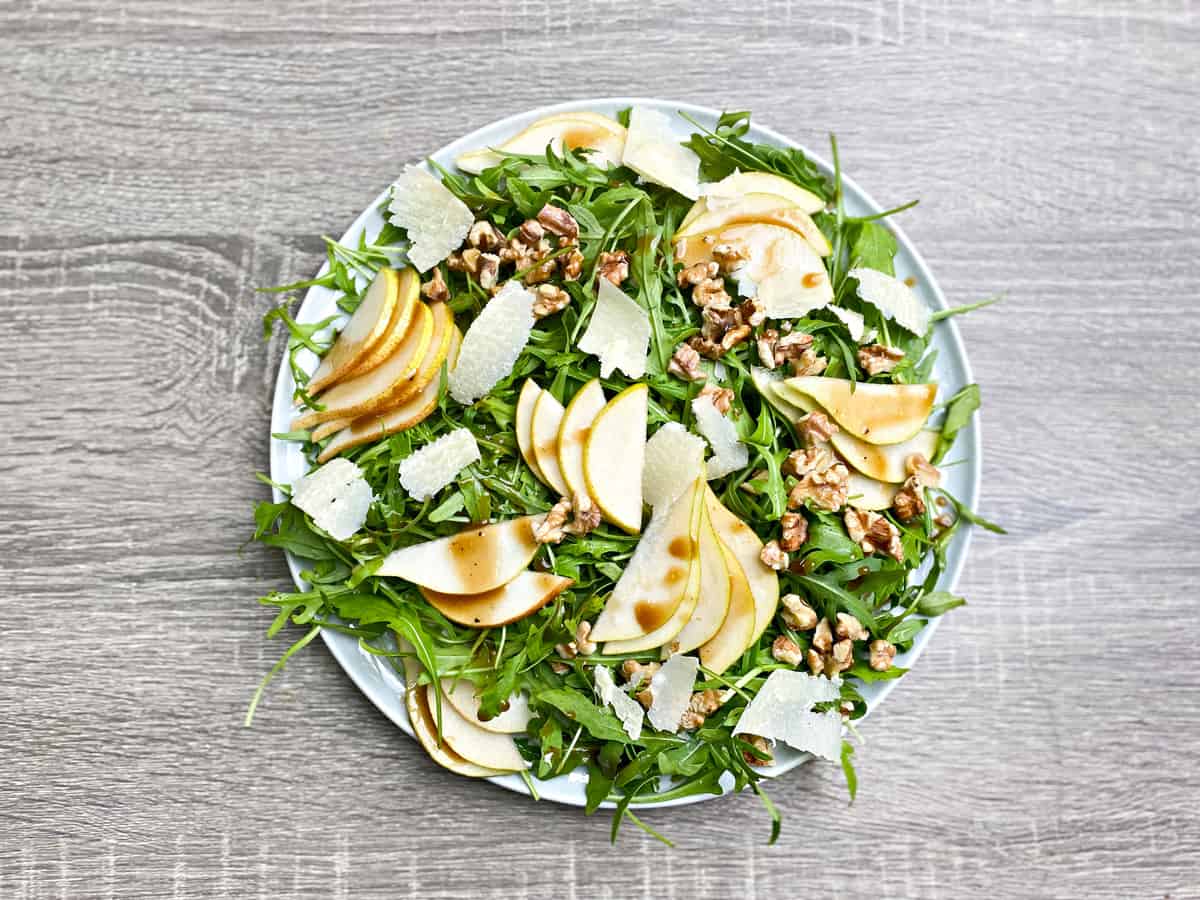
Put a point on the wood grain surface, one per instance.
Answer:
(160, 159)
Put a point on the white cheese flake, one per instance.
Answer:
(783, 711)
(854, 321)
(671, 688)
(673, 459)
(892, 297)
(729, 454)
(437, 222)
(628, 710)
(436, 465)
(618, 332)
(654, 151)
(336, 496)
(492, 343)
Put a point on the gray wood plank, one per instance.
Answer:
(161, 159)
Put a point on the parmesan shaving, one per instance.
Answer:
(618, 333)
(628, 710)
(854, 321)
(673, 459)
(436, 465)
(436, 221)
(892, 297)
(671, 688)
(492, 343)
(336, 496)
(655, 152)
(782, 711)
(729, 454)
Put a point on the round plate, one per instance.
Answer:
(375, 677)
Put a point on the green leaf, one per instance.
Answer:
(905, 630)
(600, 723)
(959, 410)
(874, 247)
(848, 769)
(598, 787)
(935, 603)
(867, 675)
(851, 603)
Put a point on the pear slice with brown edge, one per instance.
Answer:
(488, 749)
(737, 631)
(508, 603)
(765, 208)
(747, 549)
(366, 328)
(875, 413)
(512, 720)
(712, 606)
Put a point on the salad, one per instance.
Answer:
(626, 453)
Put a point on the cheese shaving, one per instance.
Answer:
(628, 710)
(782, 711)
(336, 496)
(671, 688)
(673, 459)
(436, 465)
(655, 152)
(729, 454)
(854, 321)
(492, 343)
(436, 221)
(618, 332)
(892, 297)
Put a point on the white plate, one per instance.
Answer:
(375, 677)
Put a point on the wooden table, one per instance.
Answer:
(159, 160)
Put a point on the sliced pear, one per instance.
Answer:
(424, 725)
(376, 389)
(737, 631)
(513, 720)
(407, 300)
(713, 603)
(744, 544)
(473, 561)
(489, 749)
(613, 457)
(412, 411)
(573, 432)
(572, 130)
(367, 326)
(740, 183)
(666, 634)
(511, 602)
(867, 493)
(766, 208)
(876, 413)
(524, 424)
(654, 582)
(547, 416)
(325, 429)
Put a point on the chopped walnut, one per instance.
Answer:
(548, 300)
(614, 266)
(945, 520)
(753, 311)
(722, 398)
(716, 320)
(705, 347)
(587, 516)
(484, 235)
(919, 468)
(841, 658)
(822, 479)
(711, 292)
(531, 232)
(797, 614)
(731, 256)
(702, 705)
(435, 289)
(572, 265)
(638, 674)
(559, 668)
(470, 260)
(697, 273)
(909, 502)
(808, 363)
(489, 270)
(822, 638)
(550, 530)
(584, 646)
(773, 556)
(872, 532)
(685, 363)
(814, 459)
(735, 336)
(793, 531)
(766, 347)
(816, 661)
(882, 654)
(566, 651)
(848, 627)
(787, 651)
(762, 745)
(816, 428)
(877, 359)
(558, 221)
(792, 345)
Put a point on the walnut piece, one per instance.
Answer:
(793, 531)
(582, 644)
(572, 265)
(558, 221)
(766, 347)
(697, 273)
(882, 654)
(848, 627)
(816, 428)
(722, 398)
(797, 614)
(587, 516)
(711, 292)
(549, 299)
(909, 502)
(873, 532)
(638, 674)
(550, 530)
(685, 363)
(614, 266)
(702, 705)
(484, 236)
(731, 256)
(822, 639)
(808, 363)
(435, 289)
(773, 556)
(762, 745)
(822, 479)
(489, 270)
(877, 359)
(787, 651)
(919, 468)
(531, 232)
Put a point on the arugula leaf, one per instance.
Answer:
(935, 603)
(959, 410)
(600, 723)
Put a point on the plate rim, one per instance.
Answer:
(476, 138)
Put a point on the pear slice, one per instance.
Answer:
(572, 130)
(374, 390)
(656, 576)
(524, 424)
(413, 411)
(613, 457)
(547, 416)
(737, 631)
(511, 602)
(462, 697)
(473, 561)
(489, 749)
(424, 724)
(740, 183)
(766, 208)
(876, 413)
(713, 603)
(573, 432)
(325, 429)
(745, 546)
(440, 341)
(367, 326)
(664, 636)
(867, 493)
(407, 300)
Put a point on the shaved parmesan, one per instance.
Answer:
(782, 711)
(492, 343)
(336, 496)
(628, 710)
(854, 321)
(436, 465)
(655, 152)
(618, 333)
(437, 222)
(729, 454)
(673, 459)
(892, 297)
(671, 688)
